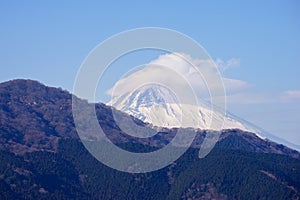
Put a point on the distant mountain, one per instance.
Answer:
(157, 105)
(41, 156)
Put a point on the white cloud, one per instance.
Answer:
(201, 74)
(290, 96)
(259, 97)
(233, 86)
(224, 65)
(179, 66)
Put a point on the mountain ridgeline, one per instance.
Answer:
(42, 157)
(159, 106)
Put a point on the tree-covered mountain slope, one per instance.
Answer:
(42, 157)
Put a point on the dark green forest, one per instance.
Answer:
(72, 173)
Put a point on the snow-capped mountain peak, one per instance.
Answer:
(159, 106)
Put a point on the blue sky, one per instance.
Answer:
(48, 41)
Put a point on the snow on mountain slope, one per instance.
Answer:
(159, 106)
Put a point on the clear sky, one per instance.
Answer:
(257, 42)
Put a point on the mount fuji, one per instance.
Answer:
(159, 106)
